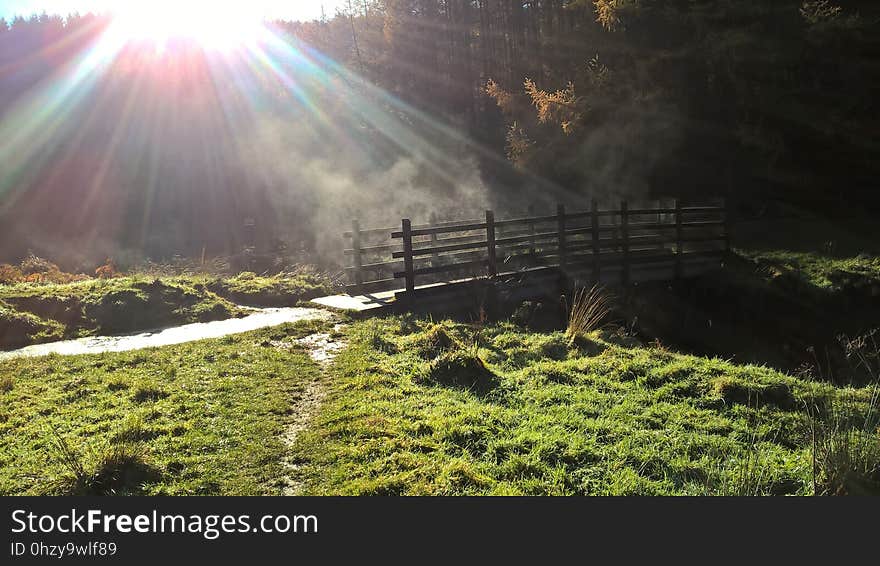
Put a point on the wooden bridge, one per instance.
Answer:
(620, 245)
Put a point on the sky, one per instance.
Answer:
(270, 9)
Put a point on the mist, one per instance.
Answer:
(155, 155)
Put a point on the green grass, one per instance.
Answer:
(33, 313)
(428, 408)
(202, 418)
(269, 291)
(819, 271)
(599, 417)
(109, 306)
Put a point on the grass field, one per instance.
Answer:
(416, 407)
(820, 271)
(32, 312)
(406, 416)
(413, 406)
(202, 418)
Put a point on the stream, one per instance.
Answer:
(262, 318)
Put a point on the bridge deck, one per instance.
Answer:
(516, 285)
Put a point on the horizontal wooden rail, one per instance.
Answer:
(527, 238)
(372, 266)
(371, 249)
(444, 268)
(694, 209)
(599, 237)
(442, 249)
(616, 242)
(370, 231)
(441, 230)
(391, 229)
(525, 221)
(454, 239)
(703, 224)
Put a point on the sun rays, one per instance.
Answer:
(211, 25)
(187, 101)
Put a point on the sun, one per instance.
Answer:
(212, 24)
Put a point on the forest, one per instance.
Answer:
(402, 107)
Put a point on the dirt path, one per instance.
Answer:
(322, 348)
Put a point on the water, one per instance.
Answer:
(322, 346)
(262, 318)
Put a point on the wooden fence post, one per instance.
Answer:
(594, 218)
(358, 261)
(490, 243)
(679, 245)
(434, 256)
(560, 221)
(624, 233)
(408, 255)
(532, 247)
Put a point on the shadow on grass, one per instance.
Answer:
(462, 369)
(119, 468)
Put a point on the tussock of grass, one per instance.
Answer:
(378, 342)
(117, 384)
(148, 390)
(459, 368)
(588, 311)
(212, 427)
(847, 461)
(620, 420)
(118, 468)
(733, 390)
(433, 342)
(587, 344)
(846, 439)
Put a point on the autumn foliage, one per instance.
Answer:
(107, 271)
(35, 269)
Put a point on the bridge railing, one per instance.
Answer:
(581, 241)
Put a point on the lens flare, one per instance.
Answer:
(211, 24)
